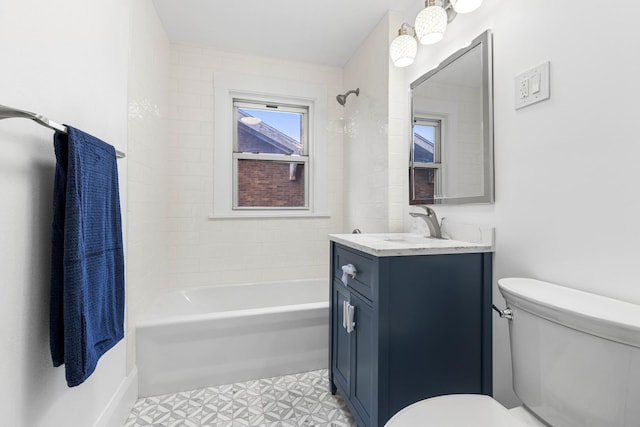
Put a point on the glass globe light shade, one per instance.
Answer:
(403, 49)
(431, 24)
(465, 6)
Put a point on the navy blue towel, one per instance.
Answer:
(87, 273)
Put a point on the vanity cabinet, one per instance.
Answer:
(420, 327)
(353, 352)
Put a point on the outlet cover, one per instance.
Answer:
(532, 86)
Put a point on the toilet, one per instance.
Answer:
(575, 360)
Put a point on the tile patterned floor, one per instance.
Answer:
(292, 400)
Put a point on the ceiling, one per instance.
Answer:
(324, 32)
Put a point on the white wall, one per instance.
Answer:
(373, 131)
(202, 251)
(147, 158)
(66, 60)
(398, 110)
(566, 206)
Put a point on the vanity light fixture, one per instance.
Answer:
(403, 48)
(465, 6)
(430, 26)
(431, 23)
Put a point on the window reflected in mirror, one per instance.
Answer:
(425, 158)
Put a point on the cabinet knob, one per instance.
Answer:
(348, 270)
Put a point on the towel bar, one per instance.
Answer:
(8, 113)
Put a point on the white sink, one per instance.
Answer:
(401, 237)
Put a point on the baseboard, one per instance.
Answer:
(116, 412)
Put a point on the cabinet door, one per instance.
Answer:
(364, 358)
(341, 345)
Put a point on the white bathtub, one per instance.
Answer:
(216, 335)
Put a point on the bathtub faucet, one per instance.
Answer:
(432, 221)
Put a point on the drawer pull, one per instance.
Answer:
(344, 314)
(348, 270)
(348, 312)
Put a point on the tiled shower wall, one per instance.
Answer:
(147, 133)
(202, 251)
(376, 138)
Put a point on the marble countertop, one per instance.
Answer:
(407, 244)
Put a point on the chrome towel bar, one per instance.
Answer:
(9, 113)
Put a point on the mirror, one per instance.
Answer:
(451, 155)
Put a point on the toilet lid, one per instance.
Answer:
(455, 410)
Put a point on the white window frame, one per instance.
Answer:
(437, 143)
(439, 122)
(228, 87)
(302, 158)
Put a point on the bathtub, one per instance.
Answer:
(208, 336)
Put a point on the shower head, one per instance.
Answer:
(342, 99)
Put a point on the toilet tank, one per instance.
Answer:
(575, 355)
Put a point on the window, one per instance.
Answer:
(302, 162)
(270, 155)
(425, 159)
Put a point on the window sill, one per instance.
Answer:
(268, 215)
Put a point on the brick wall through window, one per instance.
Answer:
(424, 183)
(270, 184)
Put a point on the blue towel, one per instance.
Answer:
(87, 273)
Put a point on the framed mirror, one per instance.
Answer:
(451, 153)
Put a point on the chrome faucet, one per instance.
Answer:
(432, 221)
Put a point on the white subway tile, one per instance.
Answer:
(180, 210)
(185, 72)
(191, 140)
(181, 224)
(186, 169)
(181, 99)
(184, 127)
(184, 154)
(206, 102)
(199, 87)
(191, 113)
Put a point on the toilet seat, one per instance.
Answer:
(456, 410)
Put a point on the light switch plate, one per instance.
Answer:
(532, 86)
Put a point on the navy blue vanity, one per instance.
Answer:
(412, 321)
